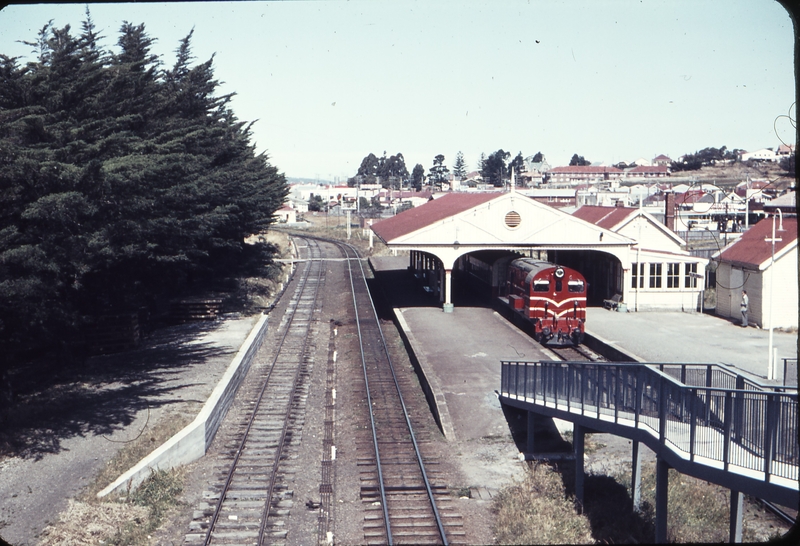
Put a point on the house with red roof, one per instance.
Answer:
(574, 174)
(769, 279)
(286, 215)
(662, 160)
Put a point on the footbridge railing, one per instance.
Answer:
(702, 413)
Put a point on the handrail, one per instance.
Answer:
(749, 428)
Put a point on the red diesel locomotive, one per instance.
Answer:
(551, 298)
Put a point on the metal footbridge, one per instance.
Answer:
(704, 420)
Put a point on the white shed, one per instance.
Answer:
(747, 264)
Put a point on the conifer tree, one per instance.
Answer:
(121, 181)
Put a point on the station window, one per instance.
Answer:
(673, 275)
(638, 275)
(690, 281)
(655, 275)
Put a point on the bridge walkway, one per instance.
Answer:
(704, 420)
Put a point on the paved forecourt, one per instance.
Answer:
(691, 337)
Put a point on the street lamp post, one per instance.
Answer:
(770, 358)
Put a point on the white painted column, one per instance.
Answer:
(448, 304)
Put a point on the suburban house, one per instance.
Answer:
(534, 172)
(765, 154)
(286, 215)
(614, 196)
(661, 160)
(555, 197)
(661, 276)
(771, 285)
(785, 150)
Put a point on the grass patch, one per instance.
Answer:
(536, 510)
(541, 509)
(124, 521)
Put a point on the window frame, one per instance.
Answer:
(673, 275)
(655, 275)
(689, 281)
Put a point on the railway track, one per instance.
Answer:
(402, 503)
(578, 353)
(249, 505)
(251, 497)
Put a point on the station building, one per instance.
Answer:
(623, 251)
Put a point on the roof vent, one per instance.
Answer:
(513, 219)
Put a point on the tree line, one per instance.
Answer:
(496, 168)
(391, 172)
(123, 183)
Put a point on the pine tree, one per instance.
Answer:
(121, 181)
(460, 166)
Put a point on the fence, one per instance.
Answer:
(709, 413)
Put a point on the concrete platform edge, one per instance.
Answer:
(190, 443)
(428, 380)
(609, 349)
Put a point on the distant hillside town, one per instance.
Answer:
(713, 189)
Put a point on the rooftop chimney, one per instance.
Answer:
(669, 212)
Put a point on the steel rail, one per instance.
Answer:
(217, 510)
(424, 474)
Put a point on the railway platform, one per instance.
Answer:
(460, 352)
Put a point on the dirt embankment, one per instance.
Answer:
(728, 176)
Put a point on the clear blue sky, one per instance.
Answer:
(611, 80)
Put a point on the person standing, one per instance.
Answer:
(744, 305)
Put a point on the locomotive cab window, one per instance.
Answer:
(575, 286)
(541, 286)
(559, 285)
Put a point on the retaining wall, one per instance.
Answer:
(193, 440)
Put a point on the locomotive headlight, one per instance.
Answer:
(559, 273)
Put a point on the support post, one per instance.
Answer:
(636, 476)
(531, 432)
(578, 444)
(736, 517)
(662, 492)
(448, 280)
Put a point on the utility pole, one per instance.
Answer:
(770, 358)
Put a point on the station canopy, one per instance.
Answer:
(460, 223)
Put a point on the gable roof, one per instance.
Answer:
(752, 249)
(604, 217)
(433, 211)
(615, 218)
(482, 219)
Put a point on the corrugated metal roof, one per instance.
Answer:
(604, 217)
(417, 218)
(752, 249)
